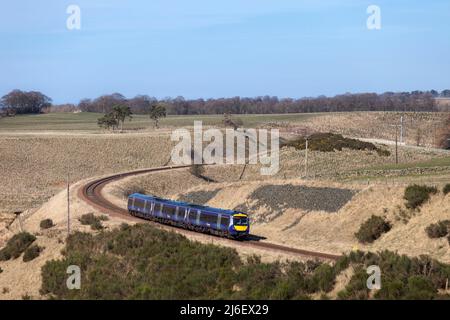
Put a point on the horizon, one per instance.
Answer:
(203, 50)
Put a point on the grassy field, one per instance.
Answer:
(435, 162)
(87, 121)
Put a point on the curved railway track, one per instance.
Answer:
(91, 193)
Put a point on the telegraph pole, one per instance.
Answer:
(396, 145)
(68, 203)
(401, 130)
(396, 141)
(306, 158)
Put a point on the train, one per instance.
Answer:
(221, 222)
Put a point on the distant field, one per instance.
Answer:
(436, 162)
(87, 121)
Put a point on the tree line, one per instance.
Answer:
(390, 101)
(21, 102)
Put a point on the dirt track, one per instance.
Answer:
(91, 193)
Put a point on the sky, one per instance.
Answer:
(223, 48)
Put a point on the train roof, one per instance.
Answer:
(185, 204)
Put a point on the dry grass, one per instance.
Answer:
(35, 168)
(419, 128)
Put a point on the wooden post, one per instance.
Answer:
(68, 203)
(396, 145)
(306, 158)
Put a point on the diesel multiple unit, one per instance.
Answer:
(226, 223)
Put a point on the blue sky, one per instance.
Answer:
(223, 48)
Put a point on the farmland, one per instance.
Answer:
(318, 210)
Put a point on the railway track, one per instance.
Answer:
(91, 193)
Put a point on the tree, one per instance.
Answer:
(445, 93)
(22, 102)
(156, 111)
(120, 113)
(107, 121)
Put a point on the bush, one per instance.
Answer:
(372, 229)
(32, 252)
(416, 195)
(46, 224)
(92, 220)
(420, 288)
(329, 142)
(438, 230)
(16, 246)
(446, 189)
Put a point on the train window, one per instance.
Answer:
(169, 210)
(193, 215)
(225, 221)
(208, 218)
(139, 203)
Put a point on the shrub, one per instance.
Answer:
(420, 288)
(92, 220)
(324, 276)
(372, 229)
(16, 245)
(329, 142)
(46, 224)
(32, 252)
(438, 230)
(416, 195)
(446, 189)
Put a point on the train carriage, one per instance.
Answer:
(229, 223)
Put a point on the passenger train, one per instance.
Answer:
(221, 222)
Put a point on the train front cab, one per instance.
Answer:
(240, 227)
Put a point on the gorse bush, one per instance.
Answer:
(16, 246)
(416, 195)
(46, 224)
(402, 277)
(32, 252)
(142, 262)
(438, 230)
(372, 229)
(446, 189)
(329, 142)
(93, 221)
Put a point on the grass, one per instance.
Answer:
(87, 121)
(435, 162)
